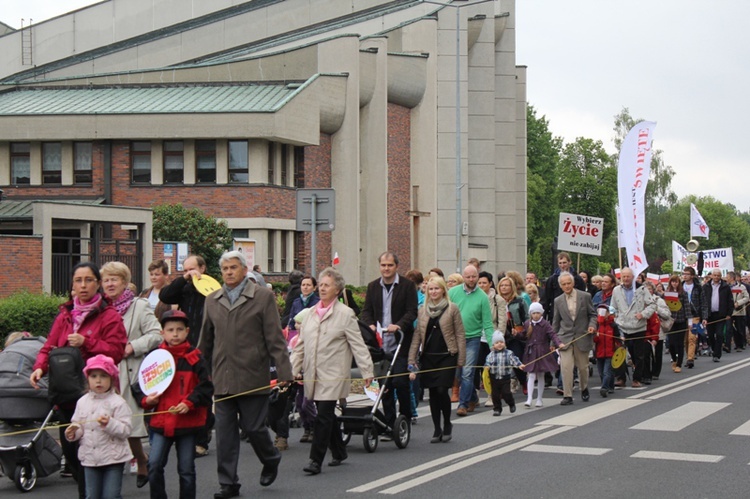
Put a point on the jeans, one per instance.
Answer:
(104, 482)
(157, 460)
(467, 393)
(606, 373)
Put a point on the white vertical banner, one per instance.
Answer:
(633, 170)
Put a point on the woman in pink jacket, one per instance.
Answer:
(87, 322)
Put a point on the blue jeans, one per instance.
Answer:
(157, 460)
(606, 373)
(467, 393)
(104, 482)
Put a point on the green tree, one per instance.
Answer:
(206, 235)
(543, 160)
(587, 185)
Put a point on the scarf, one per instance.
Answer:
(305, 299)
(606, 296)
(122, 303)
(81, 310)
(234, 294)
(436, 309)
(322, 309)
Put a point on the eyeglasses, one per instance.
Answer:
(452, 281)
(84, 280)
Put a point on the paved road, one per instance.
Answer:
(685, 436)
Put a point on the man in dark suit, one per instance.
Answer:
(574, 321)
(552, 287)
(391, 302)
(717, 311)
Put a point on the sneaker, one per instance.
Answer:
(489, 402)
(306, 437)
(496, 413)
(201, 451)
(66, 472)
(603, 392)
(461, 411)
(527, 404)
(539, 403)
(716, 359)
(281, 443)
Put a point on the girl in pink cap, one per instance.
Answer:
(102, 422)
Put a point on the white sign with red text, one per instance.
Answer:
(580, 234)
(720, 258)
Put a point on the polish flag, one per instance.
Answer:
(336, 259)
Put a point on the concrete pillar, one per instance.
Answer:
(505, 146)
(4, 163)
(67, 163)
(222, 162)
(373, 234)
(257, 160)
(35, 164)
(188, 159)
(157, 162)
(521, 170)
(342, 55)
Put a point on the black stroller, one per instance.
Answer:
(27, 451)
(368, 420)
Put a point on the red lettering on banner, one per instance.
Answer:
(584, 230)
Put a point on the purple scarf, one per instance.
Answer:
(122, 303)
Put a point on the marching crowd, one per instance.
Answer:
(458, 333)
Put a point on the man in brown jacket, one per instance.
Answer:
(241, 334)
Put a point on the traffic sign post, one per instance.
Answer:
(316, 211)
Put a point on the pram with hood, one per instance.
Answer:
(369, 420)
(27, 451)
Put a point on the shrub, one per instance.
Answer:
(25, 311)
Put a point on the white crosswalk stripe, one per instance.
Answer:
(681, 417)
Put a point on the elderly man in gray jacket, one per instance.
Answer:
(240, 337)
(574, 320)
(633, 307)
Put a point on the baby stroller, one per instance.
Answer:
(27, 451)
(369, 421)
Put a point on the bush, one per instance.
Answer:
(24, 311)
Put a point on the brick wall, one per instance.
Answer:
(22, 256)
(399, 184)
(316, 174)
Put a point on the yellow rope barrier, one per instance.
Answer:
(267, 387)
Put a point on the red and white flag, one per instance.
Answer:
(698, 227)
(633, 170)
(336, 259)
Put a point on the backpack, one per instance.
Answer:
(66, 380)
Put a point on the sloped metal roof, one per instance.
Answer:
(250, 98)
(24, 209)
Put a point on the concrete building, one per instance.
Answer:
(231, 105)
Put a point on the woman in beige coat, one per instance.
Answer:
(143, 336)
(329, 337)
(441, 341)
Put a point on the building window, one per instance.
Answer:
(284, 176)
(83, 153)
(174, 162)
(271, 249)
(140, 162)
(205, 161)
(297, 240)
(20, 163)
(52, 163)
(271, 162)
(299, 166)
(238, 166)
(283, 251)
(240, 233)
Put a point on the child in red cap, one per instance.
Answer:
(181, 411)
(102, 422)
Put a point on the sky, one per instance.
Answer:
(680, 63)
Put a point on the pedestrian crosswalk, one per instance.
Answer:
(680, 418)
